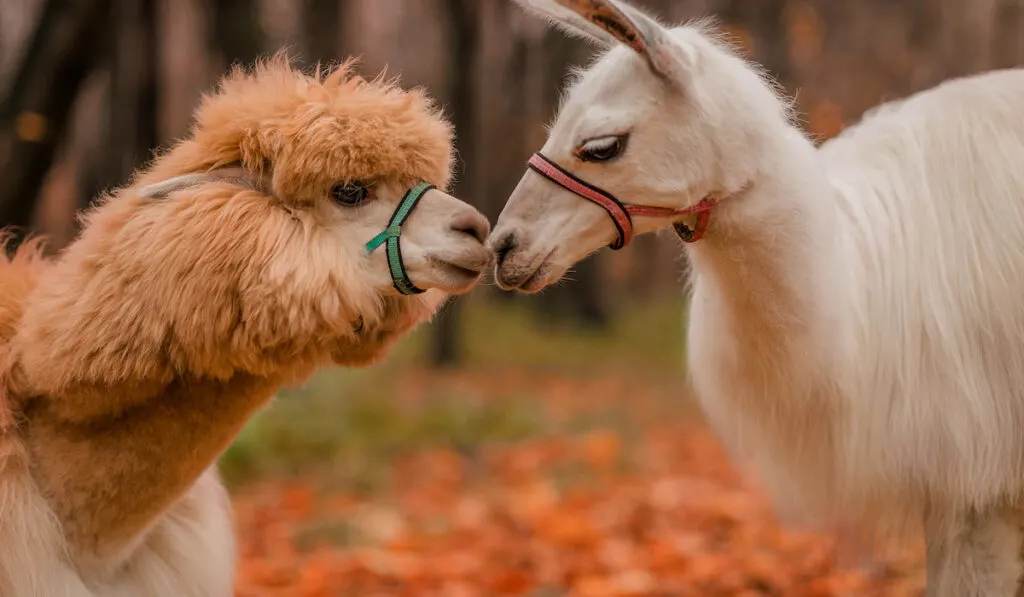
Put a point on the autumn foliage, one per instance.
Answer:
(649, 508)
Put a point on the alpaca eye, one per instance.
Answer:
(350, 194)
(602, 149)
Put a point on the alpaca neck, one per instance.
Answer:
(766, 280)
(107, 480)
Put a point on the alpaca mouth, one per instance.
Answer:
(458, 271)
(458, 276)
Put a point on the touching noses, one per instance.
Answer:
(504, 245)
(472, 222)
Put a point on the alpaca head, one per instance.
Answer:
(244, 246)
(339, 152)
(665, 118)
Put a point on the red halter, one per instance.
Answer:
(620, 213)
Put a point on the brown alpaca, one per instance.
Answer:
(233, 265)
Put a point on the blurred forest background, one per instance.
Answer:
(517, 445)
(90, 88)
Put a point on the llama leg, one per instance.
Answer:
(977, 556)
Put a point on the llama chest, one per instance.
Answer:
(763, 396)
(765, 388)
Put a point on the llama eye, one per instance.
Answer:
(602, 149)
(350, 194)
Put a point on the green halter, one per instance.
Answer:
(391, 235)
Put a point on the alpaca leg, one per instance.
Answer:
(978, 556)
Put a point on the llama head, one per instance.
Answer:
(664, 118)
(244, 246)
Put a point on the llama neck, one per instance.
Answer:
(766, 279)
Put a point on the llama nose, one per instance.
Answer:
(505, 245)
(473, 223)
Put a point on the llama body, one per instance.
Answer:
(894, 380)
(235, 264)
(855, 328)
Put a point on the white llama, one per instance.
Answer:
(856, 329)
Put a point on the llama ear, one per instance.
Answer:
(235, 175)
(568, 21)
(632, 27)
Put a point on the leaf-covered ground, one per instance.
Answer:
(513, 477)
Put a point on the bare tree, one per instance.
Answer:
(236, 35)
(762, 20)
(129, 129)
(463, 19)
(34, 116)
(323, 25)
(1008, 40)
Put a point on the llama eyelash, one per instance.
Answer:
(602, 149)
(600, 143)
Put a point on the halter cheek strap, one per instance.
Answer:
(620, 213)
(392, 235)
(565, 179)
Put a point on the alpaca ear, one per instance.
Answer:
(235, 175)
(568, 21)
(630, 26)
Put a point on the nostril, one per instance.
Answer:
(505, 246)
(472, 224)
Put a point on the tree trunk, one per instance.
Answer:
(510, 138)
(463, 28)
(236, 35)
(129, 131)
(34, 116)
(323, 27)
(1008, 42)
(762, 20)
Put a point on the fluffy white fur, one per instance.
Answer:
(856, 328)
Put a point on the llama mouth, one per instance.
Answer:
(529, 279)
(537, 281)
(526, 280)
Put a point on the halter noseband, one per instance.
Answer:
(621, 214)
(392, 234)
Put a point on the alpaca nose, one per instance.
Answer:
(473, 223)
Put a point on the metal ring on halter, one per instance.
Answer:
(392, 235)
